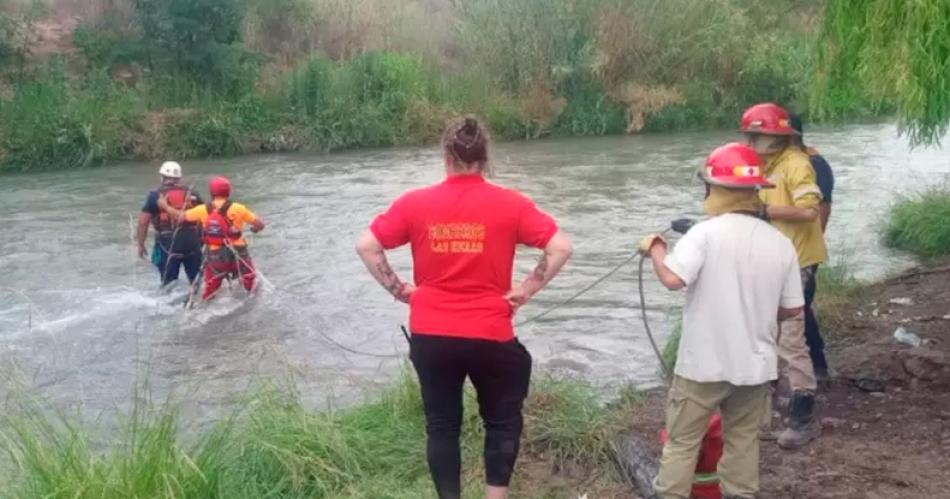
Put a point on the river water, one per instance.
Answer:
(98, 321)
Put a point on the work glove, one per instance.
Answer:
(647, 243)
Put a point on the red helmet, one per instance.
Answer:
(735, 166)
(219, 187)
(767, 119)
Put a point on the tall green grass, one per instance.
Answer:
(275, 448)
(921, 224)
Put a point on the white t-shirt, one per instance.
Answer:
(738, 271)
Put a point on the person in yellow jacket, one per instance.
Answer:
(793, 208)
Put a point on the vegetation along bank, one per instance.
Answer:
(86, 81)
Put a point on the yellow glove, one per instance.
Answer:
(647, 243)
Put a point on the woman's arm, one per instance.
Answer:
(374, 257)
(557, 252)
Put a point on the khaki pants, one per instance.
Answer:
(688, 410)
(794, 359)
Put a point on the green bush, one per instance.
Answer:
(53, 124)
(671, 349)
(919, 224)
(589, 111)
(506, 121)
(203, 134)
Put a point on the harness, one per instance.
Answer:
(178, 197)
(218, 229)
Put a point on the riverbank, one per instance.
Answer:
(886, 421)
(82, 84)
(886, 414)
(273, 447)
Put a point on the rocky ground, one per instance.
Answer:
(886, 414)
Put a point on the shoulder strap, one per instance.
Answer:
(223, 210)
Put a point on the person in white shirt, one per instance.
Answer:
(741, 277)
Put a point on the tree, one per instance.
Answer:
(891, 50)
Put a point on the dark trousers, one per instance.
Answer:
(169, 265)
(816, 345)
(501, 373)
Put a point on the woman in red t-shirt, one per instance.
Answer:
(463, 233)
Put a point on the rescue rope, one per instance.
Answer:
(269, 286)
(643, 311)
(168, 252)
(577, 295)
(646, 323)
(643, 306)
(354, 351)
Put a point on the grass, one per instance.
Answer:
(838, 291)
(672, 346)
(275, 448)
(919, 224)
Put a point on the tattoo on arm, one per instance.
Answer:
(541, 270)
(389, 278)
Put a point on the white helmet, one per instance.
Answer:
(170, 169)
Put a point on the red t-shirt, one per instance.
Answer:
(463, 234)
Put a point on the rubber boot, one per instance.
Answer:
(802, 426)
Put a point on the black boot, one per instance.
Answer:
(803, 426)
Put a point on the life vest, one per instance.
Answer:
(178, 197)
(218, 229)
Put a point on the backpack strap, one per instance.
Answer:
(222, 210)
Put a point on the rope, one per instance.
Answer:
(579, 293)
(646, 323)
(178, 226)
(643, 305)
(267, 284)
(354, 351)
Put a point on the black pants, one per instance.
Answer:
(816, 344)
(179, 248)
(170, 265)
(501, 373)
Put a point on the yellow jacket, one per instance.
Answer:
(794, 179)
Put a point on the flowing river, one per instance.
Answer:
(82, 318)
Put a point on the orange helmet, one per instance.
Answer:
(734, 166)
(219, 187)
(767, 119)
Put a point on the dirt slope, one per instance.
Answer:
(886, 415)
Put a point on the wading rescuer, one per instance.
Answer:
(825, 179)
(740, 274)
(792, 207)
(223, 223)
(463, 233)
(176, 244)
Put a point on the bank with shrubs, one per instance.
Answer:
(207, 78)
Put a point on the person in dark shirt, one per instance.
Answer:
(176, 245)
(825, 179)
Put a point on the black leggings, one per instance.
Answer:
(500, 373)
